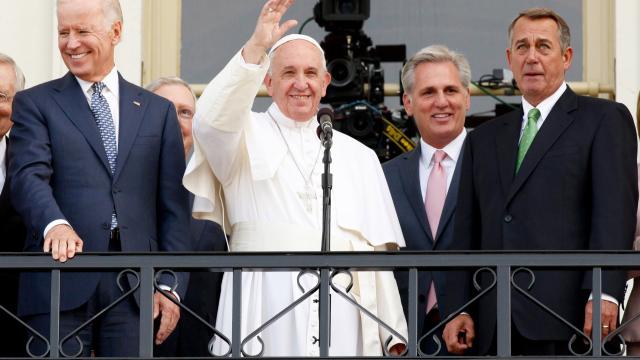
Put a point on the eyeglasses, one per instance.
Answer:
(185, 114)
(4, 98)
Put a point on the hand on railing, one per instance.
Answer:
(63, 242)
(458, 334)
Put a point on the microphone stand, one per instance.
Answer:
(324, 296)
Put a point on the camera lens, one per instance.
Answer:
(342, 72)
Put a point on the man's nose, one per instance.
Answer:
(72, 41)
(300, 82)
(532, 55)
(441, 100)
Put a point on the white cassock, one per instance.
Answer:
(260, 175)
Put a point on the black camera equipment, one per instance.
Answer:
(499, 79)
(356, 91)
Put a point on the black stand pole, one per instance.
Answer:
(325, 299)
(327, 184)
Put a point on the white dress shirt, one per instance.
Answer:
(452, 150)
(545, 107)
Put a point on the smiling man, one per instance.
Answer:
(262, 172)
(96, 166)
(558, 174)
(424, 182)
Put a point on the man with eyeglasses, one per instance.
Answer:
(11, 227)
(191, 337)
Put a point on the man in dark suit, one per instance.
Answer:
(11, 227)
(191, 337)
(558, 174)
(424, 182)
(97, 165)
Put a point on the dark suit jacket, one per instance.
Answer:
(60, 171)
(404, 183)
(12, 234)
(576, 190)
(11, 226)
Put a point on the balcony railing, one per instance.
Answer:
(500, 265)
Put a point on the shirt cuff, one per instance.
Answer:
(54, 223)
(606, 297)
(167, 288)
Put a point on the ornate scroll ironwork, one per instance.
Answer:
(284, 311)
(125, 294)
(365, 311)
(577, 331)
(204, 322)
(482, 292)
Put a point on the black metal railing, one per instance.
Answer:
(502, 267)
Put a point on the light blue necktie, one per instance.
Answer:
(104, 120)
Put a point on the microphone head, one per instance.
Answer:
(325, 114)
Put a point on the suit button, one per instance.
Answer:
(508, 218)
(421, 298)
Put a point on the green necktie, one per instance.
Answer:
(530, 131)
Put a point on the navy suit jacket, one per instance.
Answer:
(60, 171)
(12, 234)
(11, 226)
(576, 190)
(404, 183)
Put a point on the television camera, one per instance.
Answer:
(356, 91)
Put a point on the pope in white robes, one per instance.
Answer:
(259, 174)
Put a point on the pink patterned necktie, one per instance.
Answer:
(433, 203)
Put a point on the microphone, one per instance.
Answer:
(325, 129)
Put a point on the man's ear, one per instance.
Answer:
(406, 101)
(267, 83)
(327, 81)
(116, 30)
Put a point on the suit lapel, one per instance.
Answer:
(409, 174)
(555, 124)
(507, 148)
(132, 108)
(74, 104)
(451, 200)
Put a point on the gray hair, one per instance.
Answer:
(564, 33)
(169, 80)
(19, 84)
(435, 54)
(111, 10)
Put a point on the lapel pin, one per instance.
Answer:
(136, 103)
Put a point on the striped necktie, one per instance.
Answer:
(104, 120)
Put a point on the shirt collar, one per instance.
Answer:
(452, 149)
(546, 105)
(110, 81)
(283, 120)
